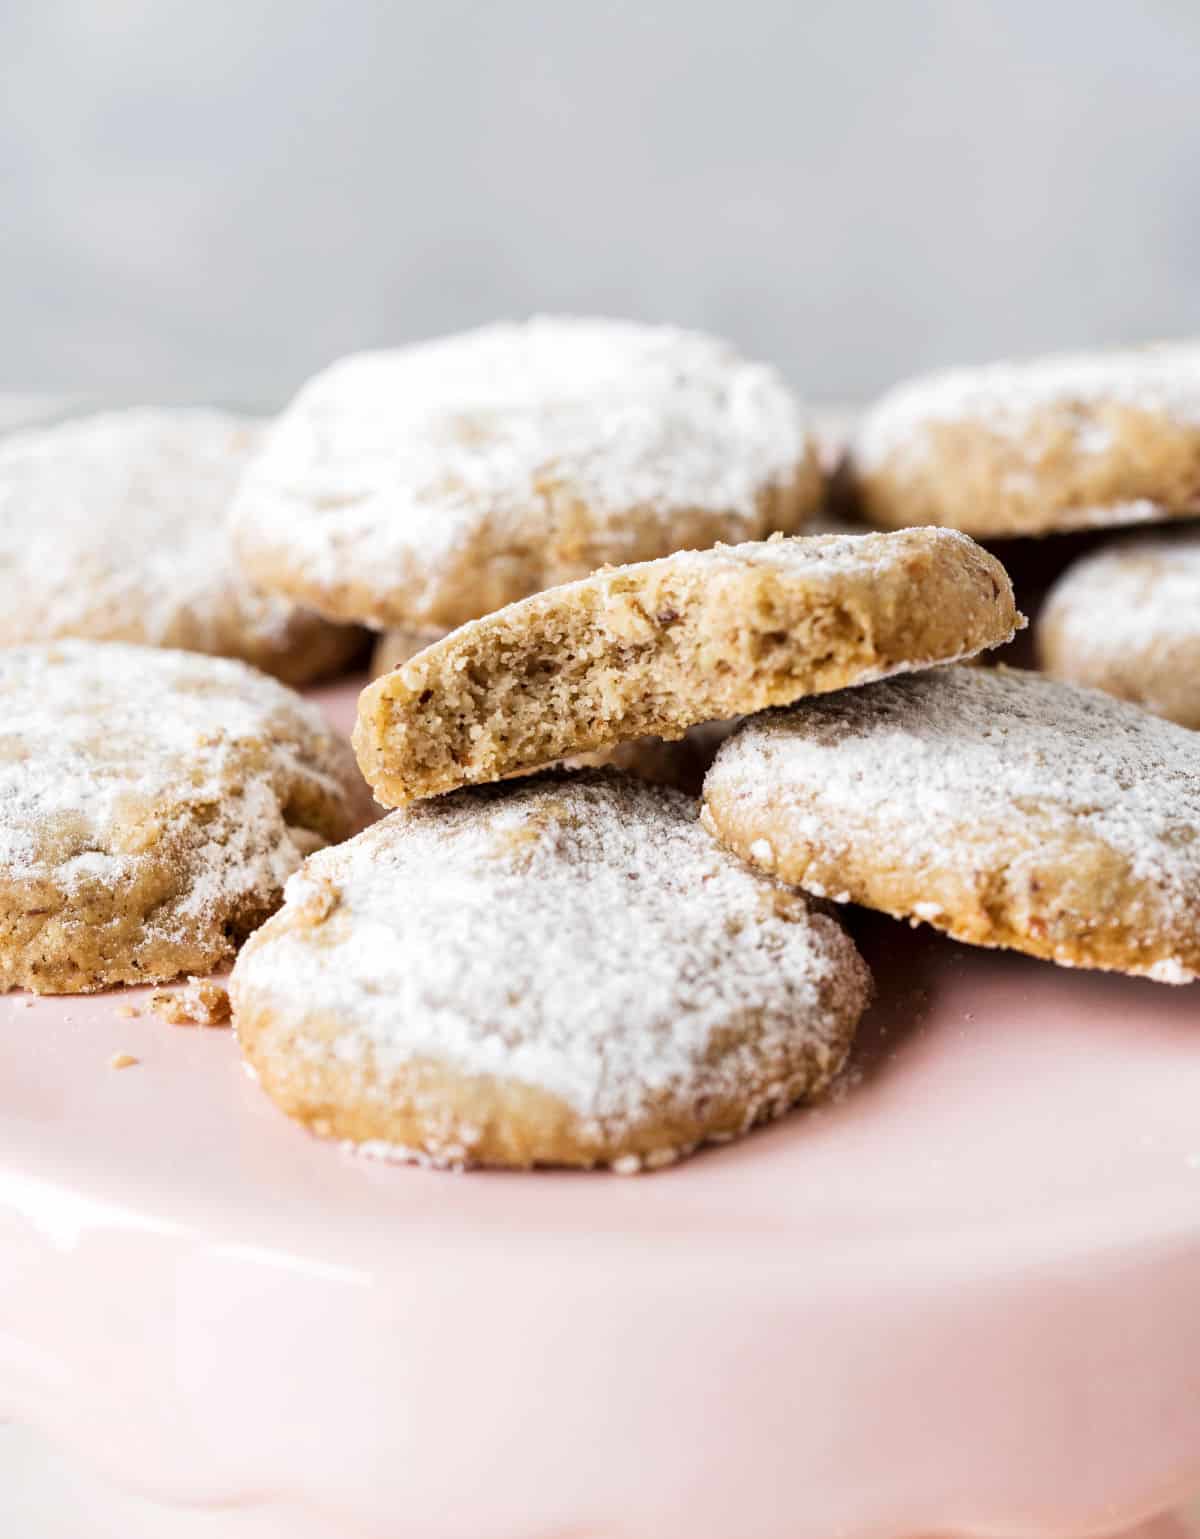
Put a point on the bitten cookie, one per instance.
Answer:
(1126, 619)
(656, 648)
(112, 528)
(567, 971)
(152, 804)
(1027, 448)
(999, 806)
(432, 484)
(680, 762)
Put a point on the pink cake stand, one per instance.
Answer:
(964, 1297)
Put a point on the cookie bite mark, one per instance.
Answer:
(657, 648)
(680, 762)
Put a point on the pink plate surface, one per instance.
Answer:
(963, 1296)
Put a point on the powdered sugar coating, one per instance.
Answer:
(547, 447)
(150, 801)
(577, 934)
(1131, 594)
(1127, 619)
(113, 527)
(1008, 397)
(838, 555)
(1002, 806)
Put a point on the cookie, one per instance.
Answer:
(682, 762)
(152, 805)
(1001, 807)
(653, 649)
(112, 527)
(563, 971)
(432, 484)
(1126, 619)
(1074, 442)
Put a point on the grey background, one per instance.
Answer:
(213, 197)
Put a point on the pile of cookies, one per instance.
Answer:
(639, 731)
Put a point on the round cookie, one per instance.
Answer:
(432, 484)
(1126, 619)
(1074, 442)
(654, 649)
(999, 806)
(112, 528)
(566, 971)
(152, 804)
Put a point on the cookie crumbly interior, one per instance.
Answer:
(654, 649)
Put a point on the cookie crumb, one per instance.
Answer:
(201, 1003)
(320, 899)
(123, 1061)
